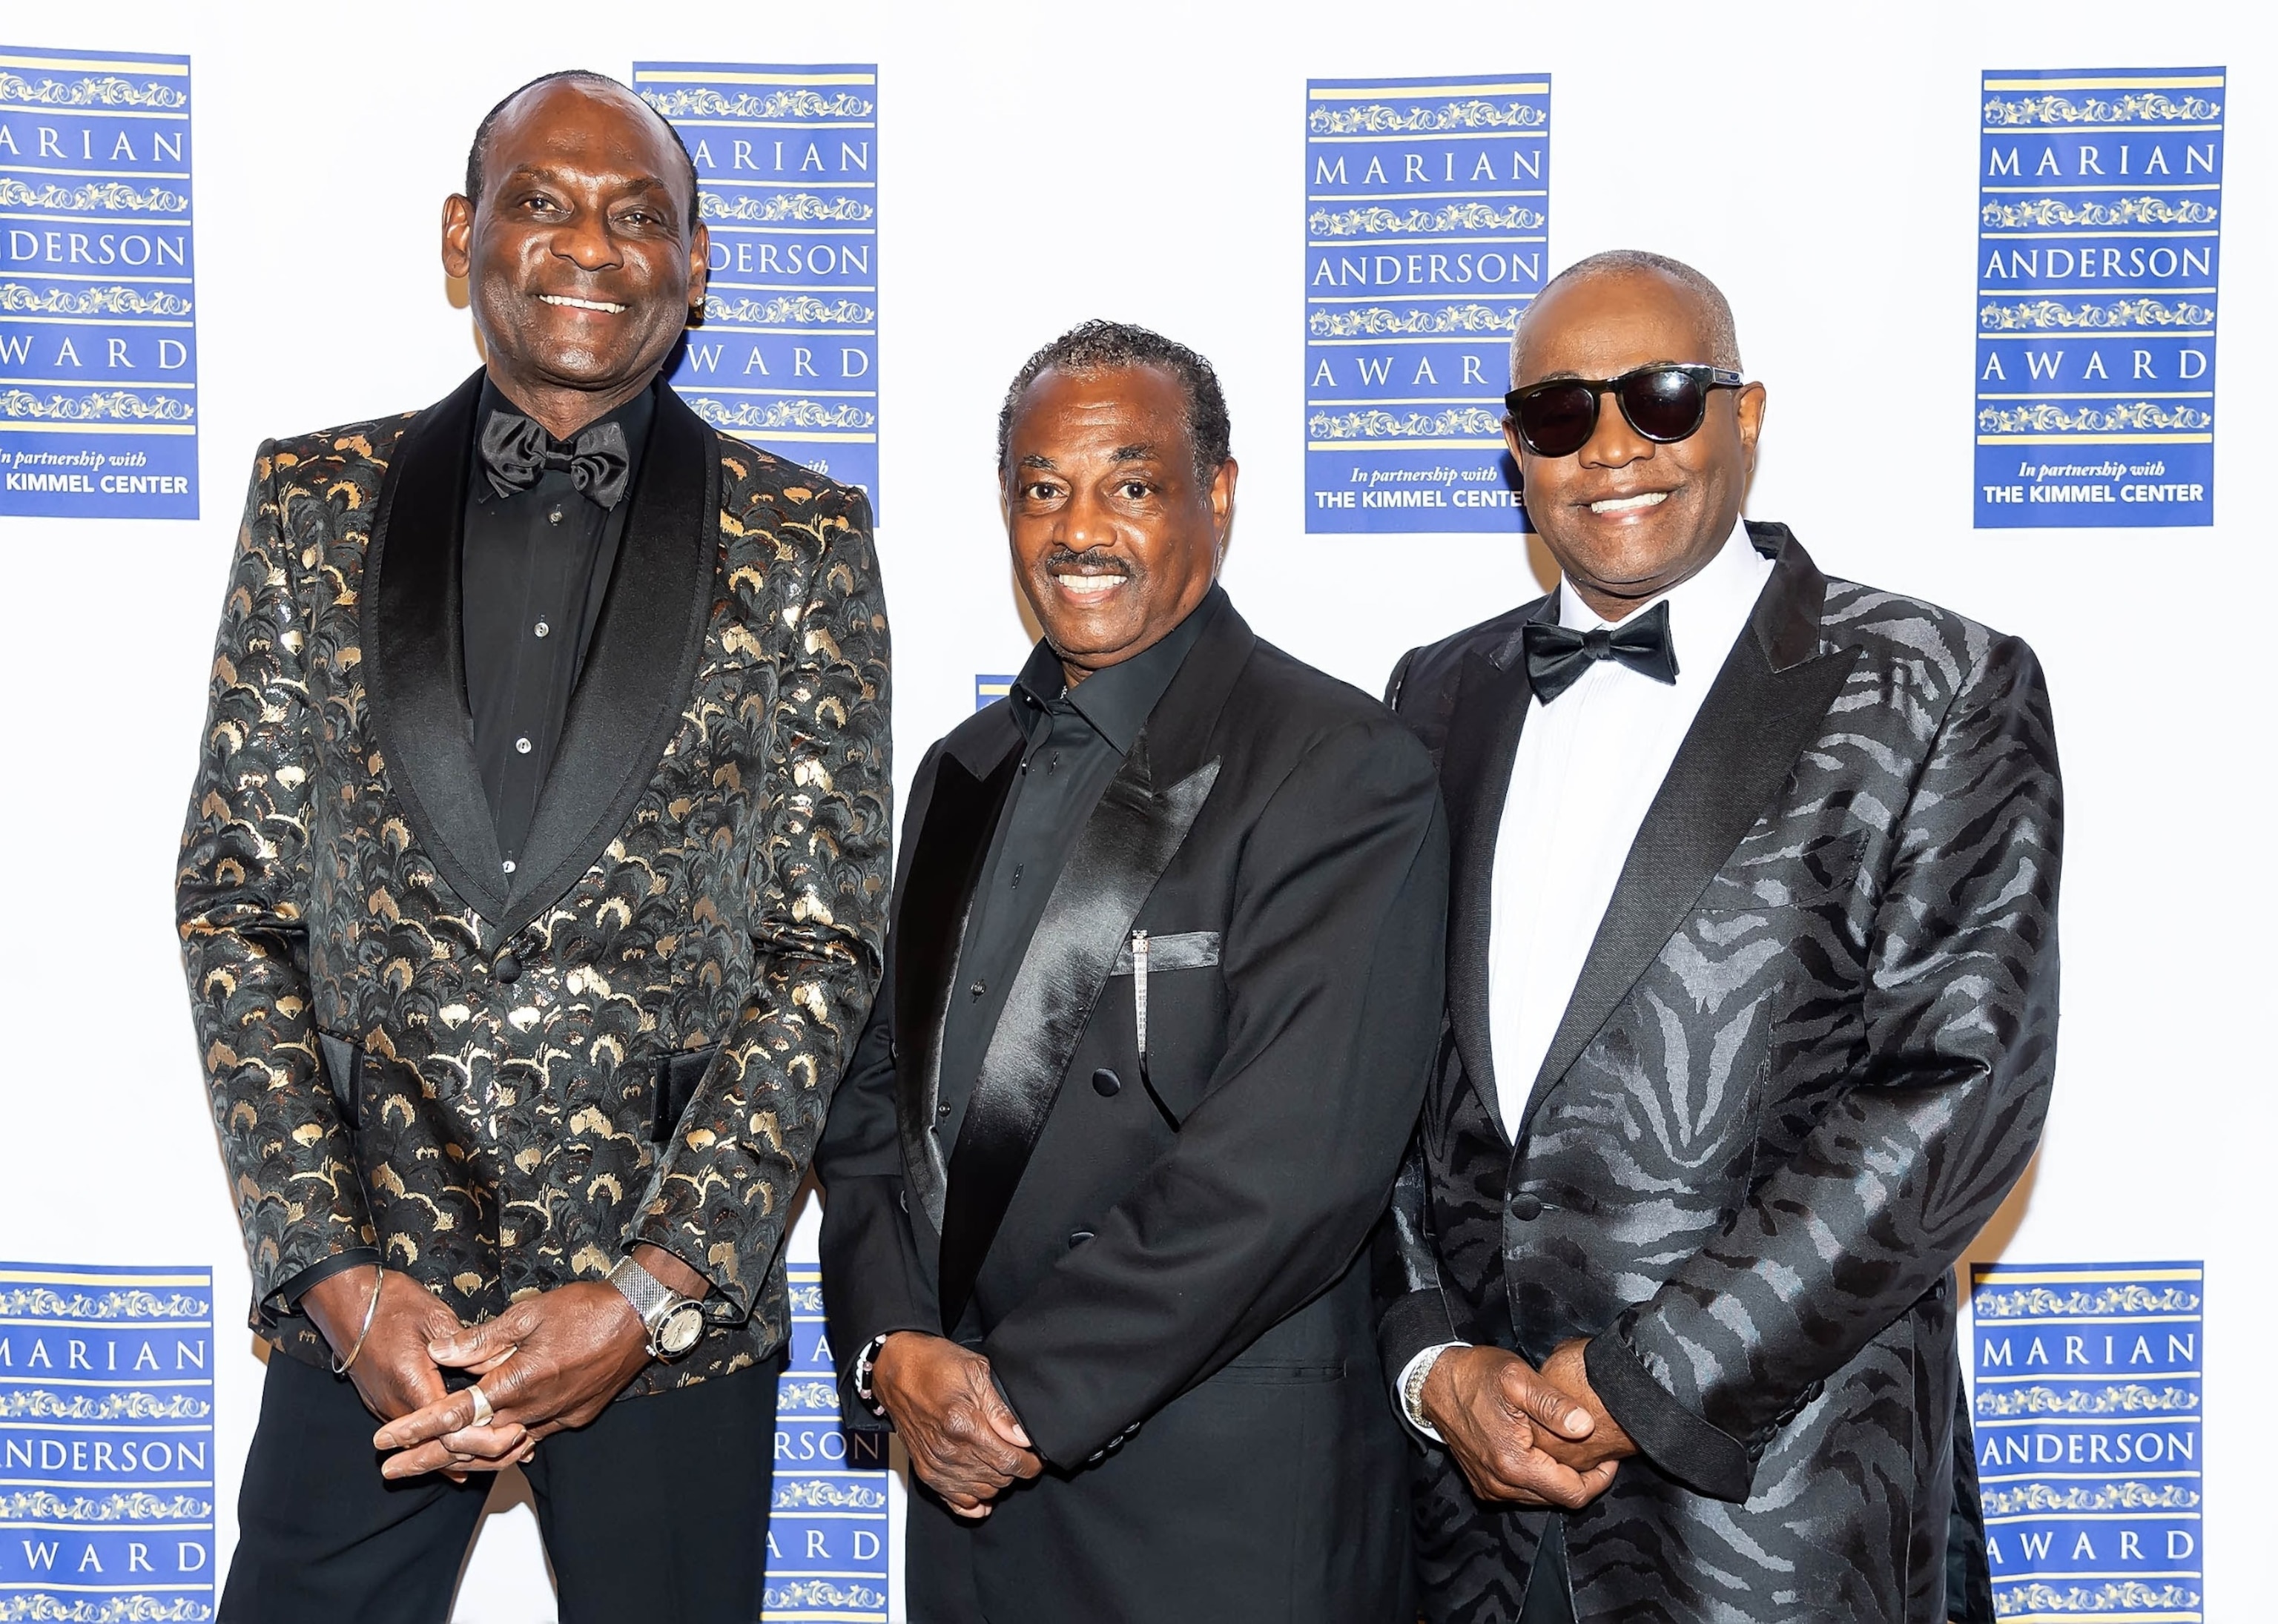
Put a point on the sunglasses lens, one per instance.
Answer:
(1557, 422)
(1662, 404)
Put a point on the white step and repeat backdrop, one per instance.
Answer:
(1984, 258)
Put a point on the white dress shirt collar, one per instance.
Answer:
(1713, 603)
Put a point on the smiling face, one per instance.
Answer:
(1115, 539)
(580, 260)
(1625, 518)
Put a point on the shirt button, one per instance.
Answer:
(522, 746)
(508, 866)
(555, 517)
(540, 629)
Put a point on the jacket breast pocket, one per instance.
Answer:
(1166, 996)
(1820, 870)
(1183, 950)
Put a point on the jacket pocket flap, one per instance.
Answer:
(677, 1077)
(1186, 950)
(341, 1059)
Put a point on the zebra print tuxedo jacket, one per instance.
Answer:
(1808, 1055)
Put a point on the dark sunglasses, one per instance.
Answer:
(1665, 403)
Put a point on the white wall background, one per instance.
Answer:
(1044, 163)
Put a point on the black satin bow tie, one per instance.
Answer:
(516, 451)
(1557, 655)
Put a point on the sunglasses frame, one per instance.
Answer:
(1709, 377)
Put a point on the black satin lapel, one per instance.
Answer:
(945, 863)
(1734, 761)
(1126, 842)
(639, 672)
(1482, 743)
(414, 662)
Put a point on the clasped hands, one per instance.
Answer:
(1535, 1439)
(550, 1362)
(965, 1443)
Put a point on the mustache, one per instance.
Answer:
(1094, 561)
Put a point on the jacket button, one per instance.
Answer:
(1076, 1237)
(506, 968)
(1105, 1083)
(1525, 1208)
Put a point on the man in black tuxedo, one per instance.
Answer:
(1751, 1010)
(1163, 983)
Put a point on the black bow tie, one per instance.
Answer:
(1557, 655)
(516, 451)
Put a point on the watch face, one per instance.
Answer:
(680, 1331)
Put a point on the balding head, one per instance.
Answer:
(1719, 341)
(598, 87)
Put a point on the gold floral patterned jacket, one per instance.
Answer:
(501, 1082)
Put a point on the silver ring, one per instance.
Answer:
(483, 1411)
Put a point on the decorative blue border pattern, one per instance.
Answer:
(2100, 220)
(106, 1442)
(786, 160)
(1427, 217)
(2087, 1412)
(98, 334)
(828, 1532)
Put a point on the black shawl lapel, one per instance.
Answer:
(1768, 702)
(639, 672)
(1482, 743)
(944, 865)
(1126, 842)
(413, 663)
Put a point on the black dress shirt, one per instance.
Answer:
(533, 571)
(1077, 739)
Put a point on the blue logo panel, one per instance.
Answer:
(2099, 227)
(828, 1530)
(98, 345)
(1426, 233)
(2088, 1416)
(786, 356)
(106, 1443)
(988, 690)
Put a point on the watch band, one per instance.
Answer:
(654, 1301)
(1412, 1389)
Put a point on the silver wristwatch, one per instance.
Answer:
(675, 1323)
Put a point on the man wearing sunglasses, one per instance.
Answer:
(1751, 1023)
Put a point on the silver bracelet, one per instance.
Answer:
(866, 1364)
(371, 1311)
(1411, 1396)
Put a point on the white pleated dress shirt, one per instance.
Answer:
(1589, 764)
(1588, 767)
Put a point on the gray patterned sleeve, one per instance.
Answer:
(1900, 1175)
(241, 892)
(722, 1195)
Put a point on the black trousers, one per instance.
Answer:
(656, 1513)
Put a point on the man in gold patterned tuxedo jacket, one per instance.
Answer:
(526, 1098)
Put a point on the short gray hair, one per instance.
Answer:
(1724, 339)
(1104, 346)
